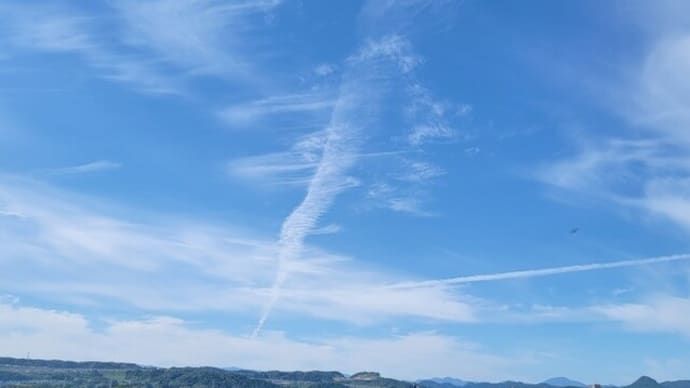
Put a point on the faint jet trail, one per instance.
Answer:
(530, 273)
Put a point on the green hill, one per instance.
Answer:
(26, 373)
(54, 373)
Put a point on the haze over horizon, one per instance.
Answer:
(479, 189)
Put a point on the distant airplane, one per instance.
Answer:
(574, 230)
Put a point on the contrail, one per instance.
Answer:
(364, 82)
(323, 187)
(530, 273)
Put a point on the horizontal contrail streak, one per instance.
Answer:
(530, 273)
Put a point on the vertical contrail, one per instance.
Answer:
(363, 84)
(323, 187)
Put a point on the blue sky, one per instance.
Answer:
(315, 185)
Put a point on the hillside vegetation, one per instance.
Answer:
(53, 373)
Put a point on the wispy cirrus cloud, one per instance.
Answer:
(51, 31)
(325, 69)
(419, 171)
(411, 205)
(403, 200)
(200, 37)
(91, 167)
(296, 106)
(292, 167)
(659, 313)
(275, 168)
(423, 133)
(407, 189)
(51, 239)
(432, 121)
(645, 166)
(431, 118)
(152, 46)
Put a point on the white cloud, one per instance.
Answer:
(658, 314)
(424, 133)
(408, 192)
(421, 172)
(275, 168)
(328, 229)
(670, 198)
(247, 113)
(61, 31)
(67, 248)
(293, 167)
(168, 341)
(402, 200)
(411, 205)
(324, 69)
(463, 109)
(152, 46)
(431, 118)
(391, 47)
(97, 166)
(379, 190)
(664, 90)
(200, 36)
(610, 164)
(646, 168)
(472, 151)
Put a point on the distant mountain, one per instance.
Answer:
(563, 382)
(449, 380)
(676, 384)
(645, 382)
(648, 382)
(435, 383)
(506, 384)
(58, 364)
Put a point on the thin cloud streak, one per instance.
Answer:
(97, 166)
(539, 272)
(250, 112)
(154, 47)
(291, 168)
